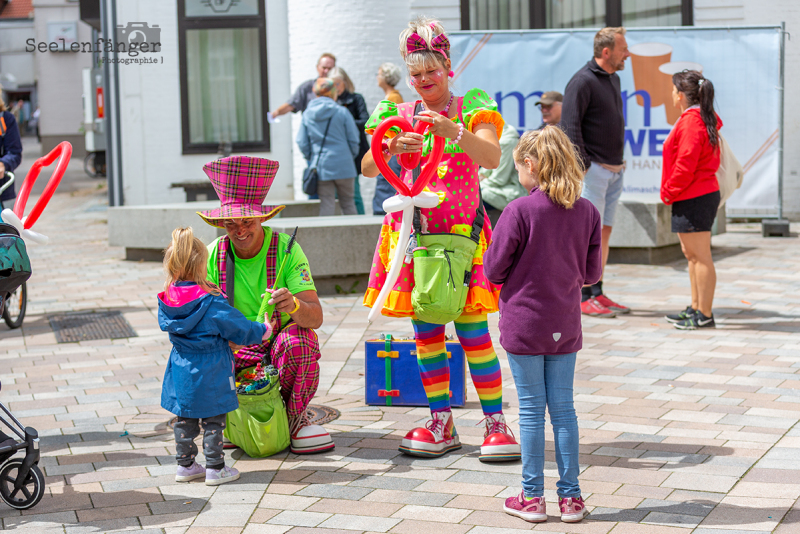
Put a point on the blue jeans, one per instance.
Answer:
(547, 380)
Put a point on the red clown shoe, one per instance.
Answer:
(433, 440)
(499, 444)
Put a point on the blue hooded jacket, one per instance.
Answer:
(199, 380)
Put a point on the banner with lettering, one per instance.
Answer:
(516, 67)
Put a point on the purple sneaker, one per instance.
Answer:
(532, 510)
(187, 474)
(572, 509)
(215, 477)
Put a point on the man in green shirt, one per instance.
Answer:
(249, 268)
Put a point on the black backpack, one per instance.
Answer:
(15, 265)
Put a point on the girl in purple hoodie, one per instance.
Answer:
(199, 383)
(546, 246)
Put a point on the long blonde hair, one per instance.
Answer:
(560, 173)
(185, 260)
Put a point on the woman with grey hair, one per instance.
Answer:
(328, 139)
(357, 107)
(389, 76)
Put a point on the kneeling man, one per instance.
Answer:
(243, 271)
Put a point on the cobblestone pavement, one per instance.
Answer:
(680, 431)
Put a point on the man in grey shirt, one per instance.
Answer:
(304, 93)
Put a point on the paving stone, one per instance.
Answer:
(410, 526)
(431, 513)
(299, 519)
(360, 523)
(700, 509)
(265, 529)
(409, 497)
(617, 515)
(335, 492)
(496, 479)
(224, 515)
(378, 482)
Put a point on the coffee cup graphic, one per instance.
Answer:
(646, 58)
(668, 69)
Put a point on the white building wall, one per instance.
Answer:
(757, 12)
(58, 74)
(152, 156)
(362, 34)
(14, 59)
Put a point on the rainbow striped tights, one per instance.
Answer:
(484, 367)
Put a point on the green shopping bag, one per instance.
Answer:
(260, 426)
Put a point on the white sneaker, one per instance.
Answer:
(311, 439)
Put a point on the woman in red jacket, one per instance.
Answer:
(689, 183)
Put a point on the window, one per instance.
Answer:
(555, 14)
(651, 12)
(223, 70)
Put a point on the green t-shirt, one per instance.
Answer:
(250, 276)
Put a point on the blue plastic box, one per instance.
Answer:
(392, 374)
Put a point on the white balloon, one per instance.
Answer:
(28, 235)
(34, 237)
(9, 217)
(426, 199)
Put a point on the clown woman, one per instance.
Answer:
(471, 126)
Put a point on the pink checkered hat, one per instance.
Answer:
(242, 183)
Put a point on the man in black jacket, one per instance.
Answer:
(593, 119)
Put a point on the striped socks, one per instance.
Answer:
(473, 333)
(433, 365)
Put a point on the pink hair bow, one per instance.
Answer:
(440, 43)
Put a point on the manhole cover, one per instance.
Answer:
(84, 326)
(317, 415)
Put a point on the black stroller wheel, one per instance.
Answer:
(15, 306)
(29, 494)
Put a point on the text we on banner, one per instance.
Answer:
(516, 67)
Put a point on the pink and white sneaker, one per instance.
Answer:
(533, 510)
(499, 444)
(433, 440)
(572, 509)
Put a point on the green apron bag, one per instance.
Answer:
(441, 280)
(260, 426)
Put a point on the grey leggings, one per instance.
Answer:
(187, 429)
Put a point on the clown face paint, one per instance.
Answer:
(429, 83)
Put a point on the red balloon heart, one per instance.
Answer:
(428, 170)
(410, 160)
(62, 151)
